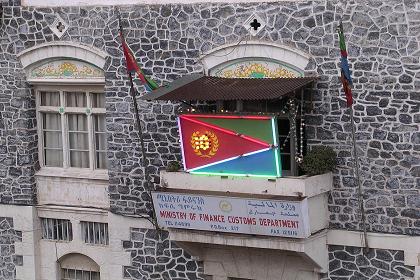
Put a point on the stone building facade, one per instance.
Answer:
(170, 40)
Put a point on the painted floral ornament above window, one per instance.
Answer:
(66, 69)
(255, 68)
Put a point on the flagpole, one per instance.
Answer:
(347, 82)
(140, 133)
(359, 183)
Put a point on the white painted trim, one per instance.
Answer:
(72, 50)
(90, 88)
(48, 211)
(257, 49)
(76, 173)
(409, 244)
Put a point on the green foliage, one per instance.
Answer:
(319, 160)
(173, 166)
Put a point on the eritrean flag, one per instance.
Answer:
(230, 145)
(133, 67)
(345, 71)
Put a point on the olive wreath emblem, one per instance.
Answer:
(204, 144)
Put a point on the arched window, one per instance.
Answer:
(69, 86)
(78, 267)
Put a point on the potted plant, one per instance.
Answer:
(173, 166)
(319, 160)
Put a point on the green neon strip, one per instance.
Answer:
(278, 169)
(274, 130)
(260, 129)
(276, 151)
(232, 174)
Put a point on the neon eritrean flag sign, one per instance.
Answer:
(230, 145)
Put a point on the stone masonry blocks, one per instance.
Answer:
(8, 259)
(154, 256)
(348, 262)
(168, 41)
(383, 46)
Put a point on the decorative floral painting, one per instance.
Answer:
(255, 68)
(64, 69)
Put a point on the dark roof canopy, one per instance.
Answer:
(208, 88)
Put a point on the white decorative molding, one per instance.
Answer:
(254, 24)
(62, 50)
(59, 26)
(294, 58)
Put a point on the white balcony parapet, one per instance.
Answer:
(302, 186)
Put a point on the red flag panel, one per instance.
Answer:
(131, 62)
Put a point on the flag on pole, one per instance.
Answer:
(345, 71)
(133, 67)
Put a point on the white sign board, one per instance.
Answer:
(232, 214)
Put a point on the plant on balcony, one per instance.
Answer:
(319, 160)
(173, 166)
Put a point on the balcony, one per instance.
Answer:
(233, 208)
(244, 254)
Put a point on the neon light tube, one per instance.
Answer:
(229, 117)
(232, 174)
(227, 131)
(276, 155)
(273, 128)
(182, 143)
(229, 159)
(276, 151)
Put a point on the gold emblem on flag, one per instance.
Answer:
(205, 144)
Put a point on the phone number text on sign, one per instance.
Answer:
(232, 214)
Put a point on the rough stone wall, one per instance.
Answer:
(8, 259)
(155, 257)
(168, 40)
(384, 55)
(348, 262)
(18, 137)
